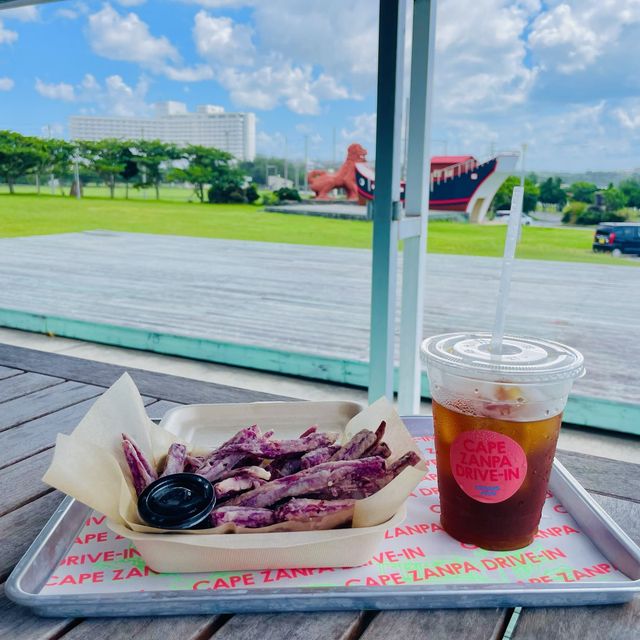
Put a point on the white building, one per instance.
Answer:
(209, 126)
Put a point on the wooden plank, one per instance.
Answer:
(21, 483)
(603, 475)
(40, 403)
(171, 628)
(19, 528)
(619, 622)
(18, 623)
(159, 385)
(625, 512)
(292, 297)
(157, 410)
(37, 435)
(438, 624)
(7, 372)
(293, 626)
(28, 439)
(21, 385)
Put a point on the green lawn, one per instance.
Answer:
(172, 194)
(25, 215)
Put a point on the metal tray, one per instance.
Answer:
(41, 559)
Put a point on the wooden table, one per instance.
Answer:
(42, 394)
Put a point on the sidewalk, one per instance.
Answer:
(577, 439)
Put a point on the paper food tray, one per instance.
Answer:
(88, 466)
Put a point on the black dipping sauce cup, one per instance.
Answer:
(177, 501)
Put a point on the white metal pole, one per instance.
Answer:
(416, 203)
(386, 203)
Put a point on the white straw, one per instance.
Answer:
(507, 268)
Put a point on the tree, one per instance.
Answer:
(19, 155)
(614, 199)
(631, 190)
(107, 158)
(222, 192)
(208, 166)
(583, 192)
(285, 194)
(59, 156)
(153, 158)
(251, 193)
(551, 192)
(55, 159)
(130, 170)
(502, 199)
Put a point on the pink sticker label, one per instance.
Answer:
(488, 466)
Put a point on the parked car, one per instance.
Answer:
(617, 238)
(502, 215)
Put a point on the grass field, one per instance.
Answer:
(172, 194)
(25, 215)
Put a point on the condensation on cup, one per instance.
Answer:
(496, 420)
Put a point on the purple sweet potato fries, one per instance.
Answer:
(259, 481)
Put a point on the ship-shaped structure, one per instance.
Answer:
(457, 183)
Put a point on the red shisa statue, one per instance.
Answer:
(345, 178)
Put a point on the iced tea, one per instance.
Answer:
(492, 476)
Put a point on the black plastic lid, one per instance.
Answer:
(177, 501)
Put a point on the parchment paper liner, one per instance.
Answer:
(90, 466)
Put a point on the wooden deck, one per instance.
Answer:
(304, 310)
(36, 401)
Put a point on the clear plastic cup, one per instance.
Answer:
(496, 420)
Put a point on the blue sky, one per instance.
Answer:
(559, 76)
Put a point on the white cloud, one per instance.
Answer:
(475, 73)
(112, 97)
(573, 35)
(72, 11)
(326, 58)
(6, 84)
(119, 99)
(338, 36)
(6, 35)
(565, 40)
(220, 40)
(363, 129)
(189, 74)
(56, 91)
(275, 80)
(327, 88)
(68, 14)
(24, 14)
(629, 116)
(268, 86)
(126, 37)
(130, 3)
